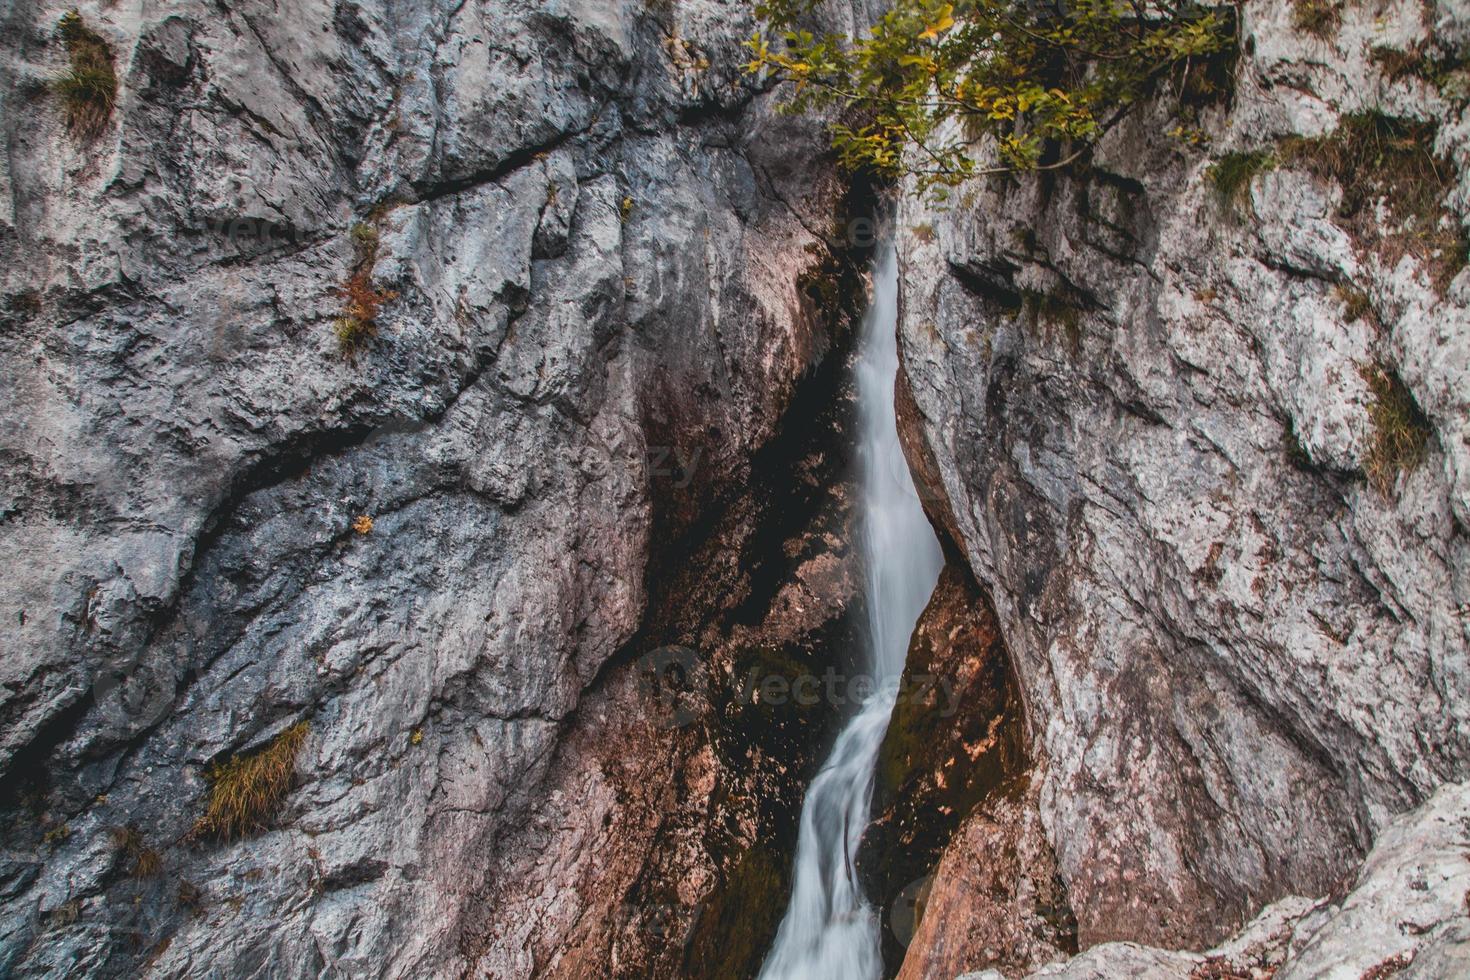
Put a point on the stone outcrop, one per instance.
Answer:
(602, 268)
(1148, 406)
(954, 739)
(1406, 916)
(995, 898)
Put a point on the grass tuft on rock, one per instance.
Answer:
(362, 300)
(143, 861)
(1232, 174)
(88, 88)
(1319, 18)
(1377, 158)
(1445, 69)
(1400, 430)
(1356, 304)
(246, 791)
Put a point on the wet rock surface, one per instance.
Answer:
(995, 900)
(954, 738)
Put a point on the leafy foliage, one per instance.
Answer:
(1033, 75)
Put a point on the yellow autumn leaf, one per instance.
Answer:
(944, 23)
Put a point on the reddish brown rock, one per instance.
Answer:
(955, 737)
(996, 900)
(660, 844)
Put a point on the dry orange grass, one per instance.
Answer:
(88, 88)
(1400, 431)
(1377, 158)
(361, 299)
(246, 791)
(145, 861)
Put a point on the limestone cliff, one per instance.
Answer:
(1196, 416)
(429, 428)
(382, 367)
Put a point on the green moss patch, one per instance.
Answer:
(1231, 176)
(731, 937)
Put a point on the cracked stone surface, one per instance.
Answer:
(1239, 660)
(1405, 916)
(598, 232)
(601, 418)
(995, 897)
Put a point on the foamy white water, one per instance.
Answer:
(830, 932)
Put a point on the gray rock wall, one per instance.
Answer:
(1149, 419)
(602, 242)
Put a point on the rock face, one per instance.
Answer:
(1406, 916)
(1148, 402)
(604, 274)
(954, 739)
(995, 899)
(659, 843)
(523, 556)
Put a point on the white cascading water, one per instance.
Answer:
(830, 932)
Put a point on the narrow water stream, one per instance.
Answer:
(830, 932)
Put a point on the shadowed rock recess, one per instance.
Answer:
(429, 440)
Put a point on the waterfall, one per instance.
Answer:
(830, 932)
